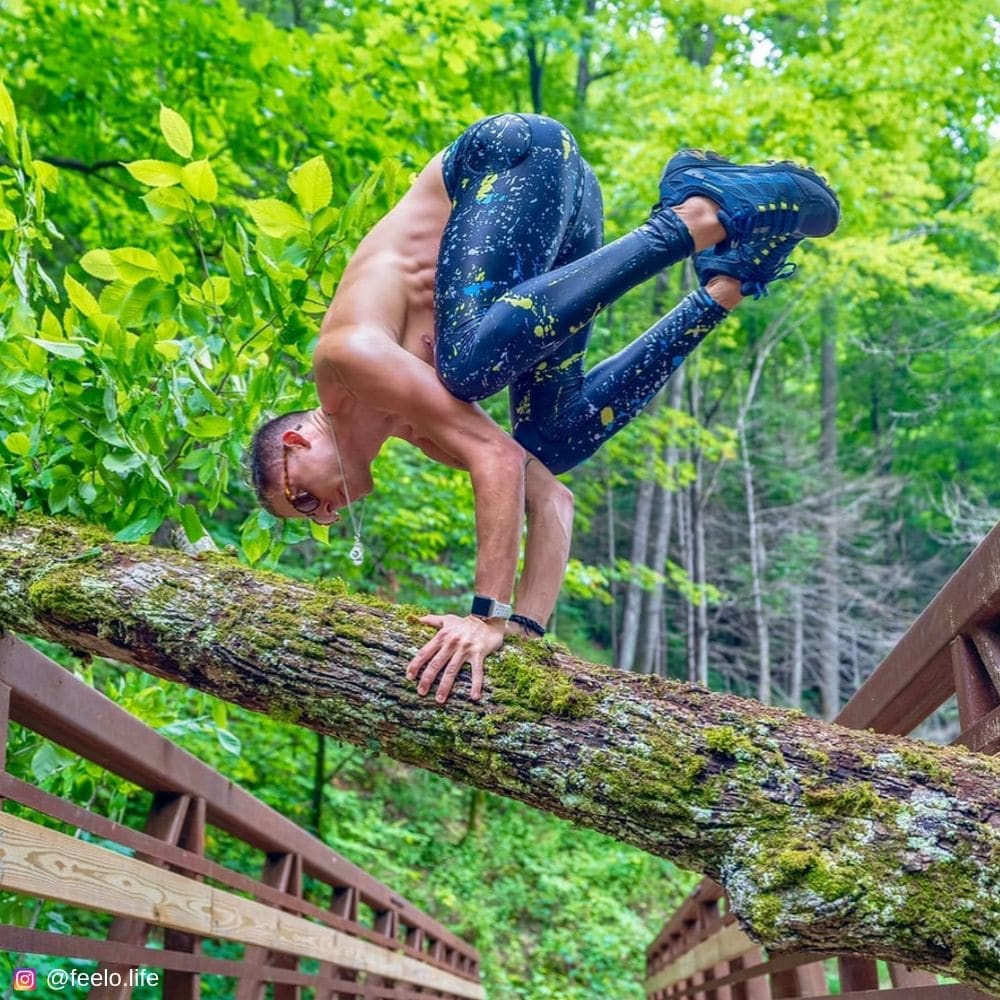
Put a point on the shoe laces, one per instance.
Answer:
(757, 287)
(765, 217)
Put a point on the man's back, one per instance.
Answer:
(388, 285)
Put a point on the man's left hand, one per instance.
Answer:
(458, 641)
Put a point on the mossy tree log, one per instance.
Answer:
(826, 839)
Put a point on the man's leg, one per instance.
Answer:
(517, 183)
(563, 414)
(567, 414)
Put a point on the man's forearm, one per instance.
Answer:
(499, 494)
(546, 552)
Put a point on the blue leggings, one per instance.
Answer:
(521, 276)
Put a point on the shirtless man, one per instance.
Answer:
(488, 273)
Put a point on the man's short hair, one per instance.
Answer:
(263, 457)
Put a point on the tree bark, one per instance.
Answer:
(825, 839)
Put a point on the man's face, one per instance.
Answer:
(311, 472)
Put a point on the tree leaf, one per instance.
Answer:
(228, 741)
(255, 536)
(145, 525)
(64, 348)
(46, 761)
(312, 184)
(18, 443)
(277, 218)
(122, 465)
(192, 525)
(154, 173)
(133, 264)
(128, 301)
(8, 116)
(169, 349)
(168, 205)
(80, 296)
(199, 180)
(176, 131)
(47, 174)
(215, 290)
(8, 220)
(171, 266)
(100, 264)
(209, 426)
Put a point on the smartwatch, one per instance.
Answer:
(489, 607)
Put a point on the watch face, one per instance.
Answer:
(482, 607)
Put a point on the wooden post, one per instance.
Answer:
(165, 821)
(857, 974)
(186, 985)
(802, 981)
(284, 872)
(975, 689)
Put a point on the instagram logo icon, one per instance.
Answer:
(24, 979)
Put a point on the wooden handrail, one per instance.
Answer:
(405, 947)
(952, 648)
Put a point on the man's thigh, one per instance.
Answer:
(539, 396)
(515, 183)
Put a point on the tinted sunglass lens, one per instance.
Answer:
(305, 503)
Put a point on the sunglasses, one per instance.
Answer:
(304, 502)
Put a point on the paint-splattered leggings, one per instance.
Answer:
(521, 276)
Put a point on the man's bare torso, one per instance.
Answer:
(388, 285)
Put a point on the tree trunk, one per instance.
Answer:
(699, 577)
(536, 71)
(655, 646)
(756, 573)
(829, 601)
(633, 594)
(825, 839)
(798, 649)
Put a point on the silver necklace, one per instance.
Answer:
(357, 553)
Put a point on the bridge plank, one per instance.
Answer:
(44, 862)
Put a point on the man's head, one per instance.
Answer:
(296, 470)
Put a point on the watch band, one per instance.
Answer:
(528, 623)
(489, 607)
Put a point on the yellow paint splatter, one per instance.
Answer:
(567, 148)
(570, 360)
(479, 276)
(607, 415)
(521, 301)
(539, 331)
(486, 186)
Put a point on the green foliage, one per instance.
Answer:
(181, 186)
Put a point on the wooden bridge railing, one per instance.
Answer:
(953, 648)
(164, 880)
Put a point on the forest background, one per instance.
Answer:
(800, 490)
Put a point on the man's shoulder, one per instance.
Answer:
(350, 347)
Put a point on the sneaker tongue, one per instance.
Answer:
(727, 223)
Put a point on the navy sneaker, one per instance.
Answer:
(754, 262)
(756, 202)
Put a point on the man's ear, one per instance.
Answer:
(293, 439)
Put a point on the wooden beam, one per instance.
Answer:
(50, 864)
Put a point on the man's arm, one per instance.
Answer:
(549, 507)
(387, 377)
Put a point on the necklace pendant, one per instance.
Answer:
(357, 553)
